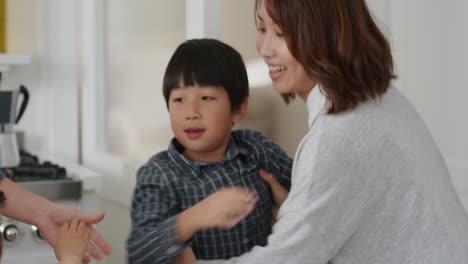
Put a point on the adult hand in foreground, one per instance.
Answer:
(51, 221)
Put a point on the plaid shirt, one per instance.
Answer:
(169, 184)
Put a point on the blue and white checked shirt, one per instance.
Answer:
(169, 184)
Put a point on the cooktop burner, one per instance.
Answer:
(44, 178)
(30, 169)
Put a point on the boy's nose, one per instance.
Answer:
(193, 116)
(193, 113)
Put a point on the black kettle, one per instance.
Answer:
(9, 116)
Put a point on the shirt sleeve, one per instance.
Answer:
(330, 195)
(154, 214)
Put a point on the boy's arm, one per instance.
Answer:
(153, 238)
(160, 232)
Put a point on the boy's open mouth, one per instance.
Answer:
(194, 133)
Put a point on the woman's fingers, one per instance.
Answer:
(93, 251)
(279, 192)
(100, 242)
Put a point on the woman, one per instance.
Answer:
(369, 184)
(20, 204)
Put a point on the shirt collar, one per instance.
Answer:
(176, 149)
(316, 103)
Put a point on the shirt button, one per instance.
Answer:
(245, 241)
(172, 249)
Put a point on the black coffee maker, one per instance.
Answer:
(9, 116)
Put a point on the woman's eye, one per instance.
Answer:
(261, 29)
(280, 35)
(207, 98)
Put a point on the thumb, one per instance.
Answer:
(91, 219)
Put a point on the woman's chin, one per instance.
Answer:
(282, 89)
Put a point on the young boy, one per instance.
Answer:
(202, 192)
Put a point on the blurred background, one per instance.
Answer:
(96, 68)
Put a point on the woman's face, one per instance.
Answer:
(286, 72)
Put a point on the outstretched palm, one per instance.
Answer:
(51, 221)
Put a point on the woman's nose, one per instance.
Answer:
(265, 46)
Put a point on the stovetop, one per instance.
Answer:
(44, 178)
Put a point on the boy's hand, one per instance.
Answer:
(279, 192)
(72, 242)
(223, 209)
(187, 257)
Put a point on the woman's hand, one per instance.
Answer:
(50, 222)
(72, 242)
(187, 257)
(279, 192)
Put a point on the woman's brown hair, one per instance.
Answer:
(339, 45)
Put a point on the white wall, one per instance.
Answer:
(429, 38)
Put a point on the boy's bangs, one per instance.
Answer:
(198, 70)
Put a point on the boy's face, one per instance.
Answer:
(201, 120)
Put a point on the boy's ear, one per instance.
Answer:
(242, 112)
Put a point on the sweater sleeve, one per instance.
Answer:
(154, 214)
(330, 195)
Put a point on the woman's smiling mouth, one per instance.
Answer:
(276, 71)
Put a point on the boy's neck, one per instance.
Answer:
(215, 155)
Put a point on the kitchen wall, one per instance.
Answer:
(46, 29)
(24, 27)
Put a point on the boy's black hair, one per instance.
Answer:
(207, 62)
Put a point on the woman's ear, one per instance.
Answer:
(241, 112)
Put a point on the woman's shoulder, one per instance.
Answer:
(372, 128)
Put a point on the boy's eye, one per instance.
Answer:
(261, 29)
(177, 100)
(207, 98)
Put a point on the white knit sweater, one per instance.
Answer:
(369, 186)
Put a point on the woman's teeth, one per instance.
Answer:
(277, 68)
